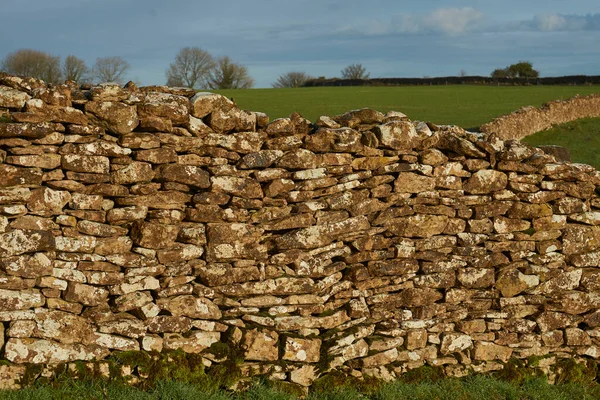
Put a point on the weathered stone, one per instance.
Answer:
(261, 345)
(342, 140)
(240, 142)
(383, 358)
(297, 159)
(11, 300)
(580, 239)
(195, 342)
(261, 159)
(485, 351)
(512, 282)
(154, 236)
(204, 103)
(562, 282)
(408, 182)
(242, 187)
(223, 274)
(46, 352)
(157, 156)
(549, 321)
(355, 118)
(276, 287)
(45, 161)
(119, 216)
(11, 376)
(136, 172)
(486, 181)
(86, 294)
(422, 225)
(14, 176)
(168, 324)
(12, 98)
(164, 105)
(321, 235)
(416, 297)
(165, 200)
(27, 130)
(304, 376)
(476, 278)
(27, 266)
(47, 201)
(455, 342)
(108, 91)
(186, 174)
(87, 164)
(21, 241)
(63, 327)
(302, 350)
(190, 306)
(400, 135)
(85, 202)
(234, 241)
(116, 117)
(77, 244)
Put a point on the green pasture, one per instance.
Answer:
(581, 137)
(468, 106)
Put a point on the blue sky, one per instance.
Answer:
(391, 38)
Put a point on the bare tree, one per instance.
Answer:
(74, 69)
(355, 71)
(292, 80)
(28, 62)
(110, 69)
(191, 68)
(229, 75)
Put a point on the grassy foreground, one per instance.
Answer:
(468, 106)
(581, 137)
(474, 388)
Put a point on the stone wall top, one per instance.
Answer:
(529, 120)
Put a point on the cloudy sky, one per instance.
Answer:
(391, 38)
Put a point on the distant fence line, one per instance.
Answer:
(458, 80)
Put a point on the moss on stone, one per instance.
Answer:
(583, 372)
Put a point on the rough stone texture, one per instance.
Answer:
(368, 243)
(529, 120)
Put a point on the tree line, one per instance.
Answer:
(193, 67)
(48, 67)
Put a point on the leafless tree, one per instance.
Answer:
(191, 68)
(229, 75)
(74, 69)
(292, 80)
(355, 71)
(34, 63)
(110, 69)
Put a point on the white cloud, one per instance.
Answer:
(448, 21)
(454, 21)
(552, 22)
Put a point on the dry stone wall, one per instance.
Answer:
(159, 219)
(529, 120)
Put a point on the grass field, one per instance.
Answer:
(581, 137)
(474, 388)
(468, 106)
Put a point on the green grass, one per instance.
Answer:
(472, 388)
(468, 106)
(581, 137)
